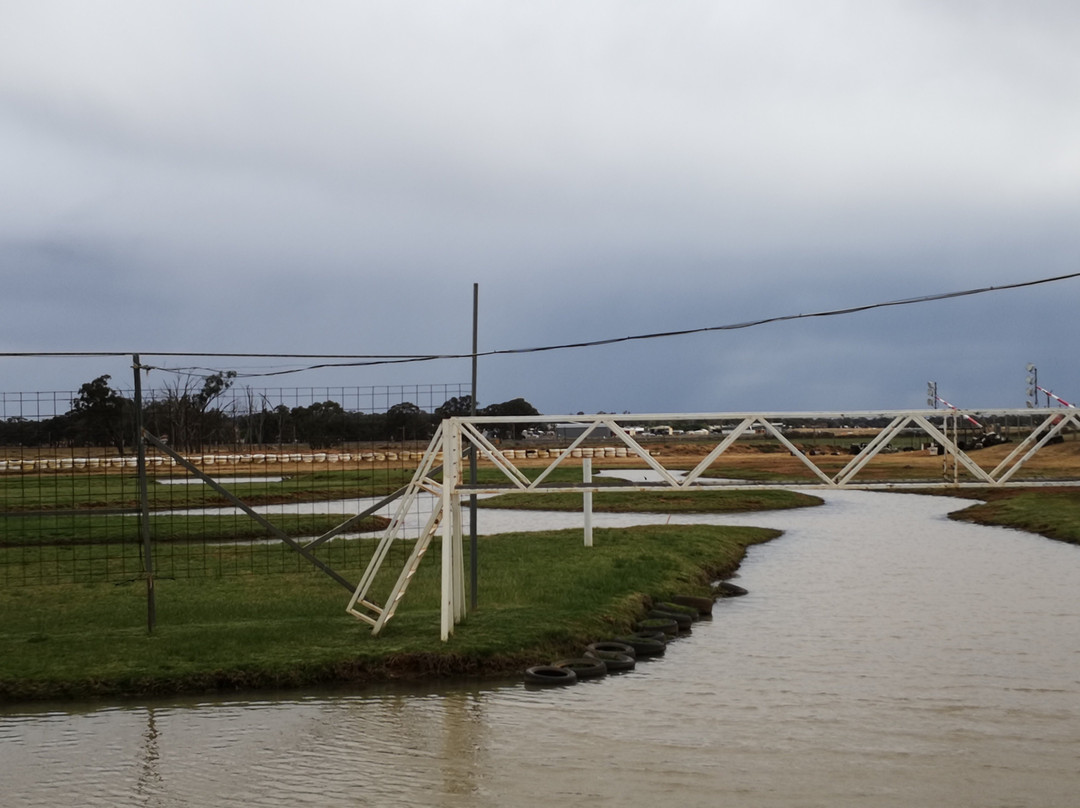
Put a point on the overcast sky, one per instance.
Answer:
(332, 178)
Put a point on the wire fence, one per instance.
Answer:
(305, 459)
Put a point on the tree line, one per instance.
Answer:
(197, 413)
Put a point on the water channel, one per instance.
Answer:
(885, 656)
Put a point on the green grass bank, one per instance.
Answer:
(663, 501)
(541, 595)
(1050, 512)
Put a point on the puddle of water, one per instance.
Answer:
(222, 480)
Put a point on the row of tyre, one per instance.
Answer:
(663, 622)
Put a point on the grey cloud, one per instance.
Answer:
(334, 178)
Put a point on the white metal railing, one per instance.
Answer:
(456, 436)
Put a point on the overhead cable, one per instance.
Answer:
(368, 360)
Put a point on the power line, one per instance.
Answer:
(368, 360)
(788, 317)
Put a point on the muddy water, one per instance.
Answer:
(885, 657)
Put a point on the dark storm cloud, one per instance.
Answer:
(334, 177)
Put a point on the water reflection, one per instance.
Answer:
(886, 656)
(149, 781)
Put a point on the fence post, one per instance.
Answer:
(586, 475)
(144, 499)
(474, 546)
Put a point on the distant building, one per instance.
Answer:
(731, 430)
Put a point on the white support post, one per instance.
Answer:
(458, 556)
(586, 473)
(451, 470)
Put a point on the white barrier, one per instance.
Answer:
(267, 458)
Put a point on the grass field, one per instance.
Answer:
(25, 531)
(541, 596)
(253, 616)
(662, 501)
(38, 492)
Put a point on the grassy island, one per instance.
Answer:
(1050, 512)
(540, 596)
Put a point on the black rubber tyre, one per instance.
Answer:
(668, 625)
(583, 667)
(613, 660)
(683, 621)
(549, 675)
(677, 608)
(612, 647)
(651, 635)
(704, 606)
(644, 646)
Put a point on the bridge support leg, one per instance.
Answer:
(453, 568)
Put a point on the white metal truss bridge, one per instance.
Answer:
(442, 473)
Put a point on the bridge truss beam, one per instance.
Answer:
(457, 436)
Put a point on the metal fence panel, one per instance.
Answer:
(306, 457)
